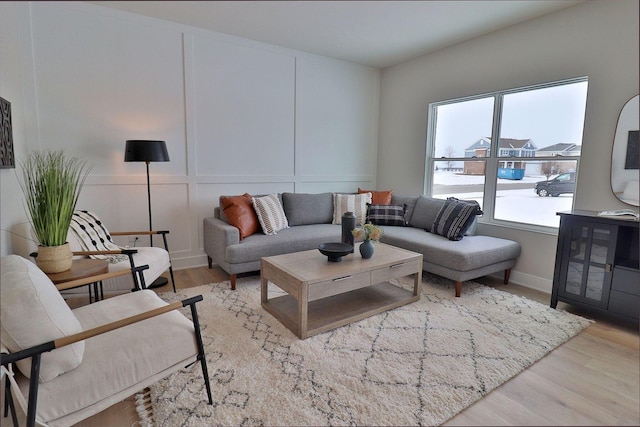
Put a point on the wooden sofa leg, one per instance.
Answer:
(458, 289)
(210, 262)
(233, 281)
(507, 273)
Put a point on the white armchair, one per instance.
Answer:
(76, 363)
(88, 236)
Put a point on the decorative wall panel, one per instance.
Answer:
(244, 109)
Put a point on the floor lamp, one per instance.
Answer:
(142, 150)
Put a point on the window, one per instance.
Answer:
(530, 174)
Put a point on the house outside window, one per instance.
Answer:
(539, 133)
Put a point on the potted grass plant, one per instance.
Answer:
(51, 183)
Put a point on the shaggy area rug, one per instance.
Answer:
(419, 364)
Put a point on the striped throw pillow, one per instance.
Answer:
(455, 217)
(270, 214)
(356, 203)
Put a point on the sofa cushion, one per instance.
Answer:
(409, 201)
(33, 312)
(473, 252)
(270, 214)
(425, 212)
(455, 217)
(294, 239)
(303, 209)
(239, 212)
(387, 214)
(356, 203)
(378, 197)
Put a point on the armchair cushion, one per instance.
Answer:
(33, 312)
(121, 362)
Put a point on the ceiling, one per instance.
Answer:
(375, 33)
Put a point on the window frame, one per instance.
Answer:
(493, 159)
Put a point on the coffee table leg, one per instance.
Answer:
(417, 280)
(303, 311)
(264, 282)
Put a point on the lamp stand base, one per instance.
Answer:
(158, 283)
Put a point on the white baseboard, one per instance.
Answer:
(188, 262)
(528, 281)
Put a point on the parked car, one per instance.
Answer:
(561, 184)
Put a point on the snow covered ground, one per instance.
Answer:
(519, 205)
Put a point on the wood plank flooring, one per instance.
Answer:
(593, 379)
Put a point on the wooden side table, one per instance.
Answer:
(81, 268)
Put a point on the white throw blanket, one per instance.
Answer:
(94, 236)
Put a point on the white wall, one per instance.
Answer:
(598, 39)
(238, 116)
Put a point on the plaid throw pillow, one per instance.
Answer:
(387, 214)
(455, 217)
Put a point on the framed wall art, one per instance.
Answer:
(7, 157)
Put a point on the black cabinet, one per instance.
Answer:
(597, 263)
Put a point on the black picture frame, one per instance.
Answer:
(7, 155)
(632, 159)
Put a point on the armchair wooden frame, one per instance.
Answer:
(35, 352)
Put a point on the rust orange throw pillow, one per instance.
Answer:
(378, 197)
(240, 213)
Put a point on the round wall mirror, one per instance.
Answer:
(625, 157)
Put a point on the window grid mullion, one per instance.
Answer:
(491, 170)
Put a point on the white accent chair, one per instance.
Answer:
(76, 363)
(88, 236)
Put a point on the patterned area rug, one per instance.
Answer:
(419, 364)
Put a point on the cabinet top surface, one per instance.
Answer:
(618, 220)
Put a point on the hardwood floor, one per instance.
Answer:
(593, 379)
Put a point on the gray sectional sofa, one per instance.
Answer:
(310, 224)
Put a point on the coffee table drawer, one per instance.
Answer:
(339, 285)
(394, 271)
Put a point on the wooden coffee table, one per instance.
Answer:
(324, 295)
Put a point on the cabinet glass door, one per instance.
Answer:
(588, 272)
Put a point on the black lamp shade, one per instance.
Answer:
(142, 150)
